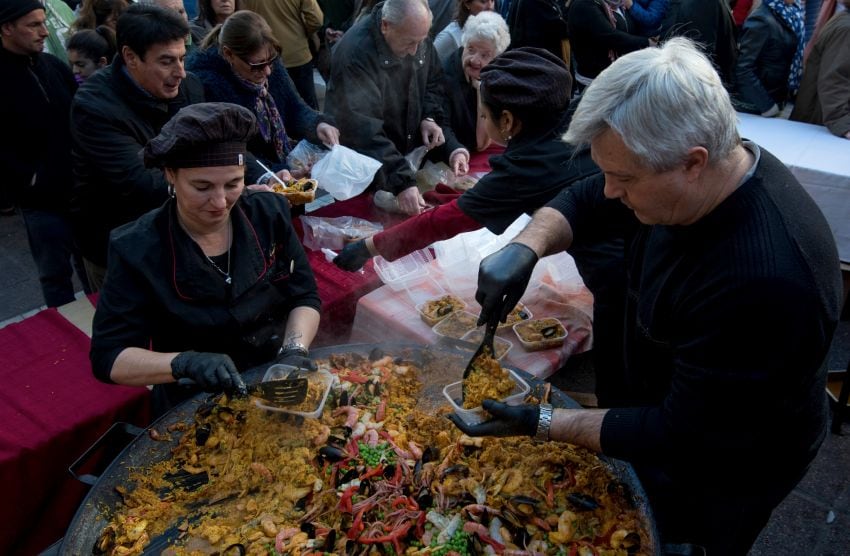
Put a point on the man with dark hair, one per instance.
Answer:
(35, 148)
(114, 114)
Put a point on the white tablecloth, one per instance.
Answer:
(386, 315)
(820, 160)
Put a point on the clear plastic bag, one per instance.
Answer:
(415, 157)
(344, 173)
(305, 154)
(335, 233)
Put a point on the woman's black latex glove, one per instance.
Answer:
(508, 420)
(502, 279)
(353, 256)
(296, 357)
(213, 372)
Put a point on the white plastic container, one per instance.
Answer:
(458, 304)
(476, 415)
(514, 316)
(501, 345)
(404, 272)
(456, 325)
(279, 372)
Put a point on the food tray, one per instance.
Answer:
(452, 392)
(457, 303)
(501, 345)
(279, 372)
(405, 271)
(514, 316)
(456, 325)
(521, 329)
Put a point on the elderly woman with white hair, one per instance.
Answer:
(734, 292)
(485, 36)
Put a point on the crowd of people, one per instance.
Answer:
(140, 156)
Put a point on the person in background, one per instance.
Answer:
(177, 7)
(113, 115)
(239, 63)
(740, 10)
(539, 23)
(94, 13)
(600, 32)
(824, 96)
(524, 100)
(90, 50)
(339, 16)
(770, 58)
(59, 18)
(449, 39)
(442, 13)
(485, 36)
(384, 53)
(734, 293)
(648, 15)
(213, 282)
(709, 23)
(210, 14)
(293, 23)
(35, 148)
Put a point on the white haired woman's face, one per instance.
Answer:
(477, 54)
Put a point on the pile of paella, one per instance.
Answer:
(376, 474)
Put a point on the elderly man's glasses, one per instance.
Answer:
(260, 66)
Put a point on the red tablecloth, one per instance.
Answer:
(51, 409)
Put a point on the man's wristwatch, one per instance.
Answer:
(294, 347)
(544, 422)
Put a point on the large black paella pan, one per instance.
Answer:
(513, 517)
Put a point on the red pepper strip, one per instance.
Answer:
(353, 448)
(379, 413)
(406, 501)
(375, 471)
(354, 377)
(357, 525)
(420, 525)
(392, 537)
(345, 501)
(397, 475)
(550, 493)
(573, 550)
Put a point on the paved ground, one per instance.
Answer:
(813, 520)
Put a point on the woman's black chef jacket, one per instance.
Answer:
(161, 292)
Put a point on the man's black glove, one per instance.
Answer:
(353, 256)
(213, 372)
(508, 420)
(502, 279)
(296, 357)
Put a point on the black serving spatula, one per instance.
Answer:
(485, 349)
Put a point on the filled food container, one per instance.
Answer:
(318, 387)
(435, 310)
(519, 314)
(538, 334)
(453, 393)
(456, 324)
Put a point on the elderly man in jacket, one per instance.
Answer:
(385, 93)
(114, 114)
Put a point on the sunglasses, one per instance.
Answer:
(260, 66)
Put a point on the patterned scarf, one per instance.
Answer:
(268, 118)
(794, 17)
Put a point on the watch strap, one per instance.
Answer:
(544, 422)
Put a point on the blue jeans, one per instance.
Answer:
(54, 253)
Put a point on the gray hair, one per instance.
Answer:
(662, 102)
(488, 26)
(395, 11)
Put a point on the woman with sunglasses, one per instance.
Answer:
(239, 62)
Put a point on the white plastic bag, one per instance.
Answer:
(335, 233)
(344, 173)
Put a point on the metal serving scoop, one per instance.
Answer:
(485, 349)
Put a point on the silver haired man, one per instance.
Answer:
(733, 295)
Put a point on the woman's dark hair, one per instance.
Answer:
(94, 44)
(244, 33)
(94, 13)
(207, 13)
(462, 13)
(142, 26)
